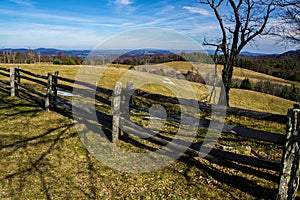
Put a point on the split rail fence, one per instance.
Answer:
(47, 93)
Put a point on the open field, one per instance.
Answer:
(238, 98)
(238, 72)
(179, 65)
(43, 157)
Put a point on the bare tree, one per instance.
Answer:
(289, 28)
(31, 56)
(240, 21)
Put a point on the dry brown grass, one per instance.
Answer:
(239, 73)
(258, 101)
(42, 156)
(238, 98)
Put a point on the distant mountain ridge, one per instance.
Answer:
(50, 51)
(248, 53)
(293, 54)
(84, 53)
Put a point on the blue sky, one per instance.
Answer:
(83, 24)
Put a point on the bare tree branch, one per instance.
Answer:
(289, 28)
(244, 21)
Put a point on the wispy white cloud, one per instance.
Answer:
(118, 6)
(204, 28)
(150, 38)
(47, 35)
(123, 2)
(78, 20)
(195, 10)
(32, 23)
(40, 28)
(23, 2)
(167, 10)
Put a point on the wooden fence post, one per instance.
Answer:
(54, 89)
(289, 174)
(116, 103)
(128, 91)
(48, 93)
(18, 81)
(12, 81)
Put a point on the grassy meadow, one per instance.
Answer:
(237, 72)
(42, 156)
(112, 74)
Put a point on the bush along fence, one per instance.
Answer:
(50, 92)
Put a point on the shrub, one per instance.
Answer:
(295, 94)
(71, 61)
(131, 67)
(246, 84)
(235, 83)
(57, 62)
(285, 92)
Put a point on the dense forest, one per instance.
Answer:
(286, 66)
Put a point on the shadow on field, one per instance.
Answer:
(34, 155)
(5, 91)
(46, 160)
(235, 181)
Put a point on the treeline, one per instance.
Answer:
(144, 59)
(134, 59)
(31, 57)
(287, 68)
(67, 60)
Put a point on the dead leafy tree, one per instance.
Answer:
(240, 22)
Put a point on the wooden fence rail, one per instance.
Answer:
(120, 103)
(206, 106)
(4, 81)
(265, 136)
(88, 85)
(4, 74)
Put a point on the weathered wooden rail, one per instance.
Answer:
(46, 93)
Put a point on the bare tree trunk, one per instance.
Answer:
(226, 78)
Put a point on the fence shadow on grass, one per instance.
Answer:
(48, 141)
(239, 182)
(24, 154)
(14, 181)
(43, 144)
(234, 181)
